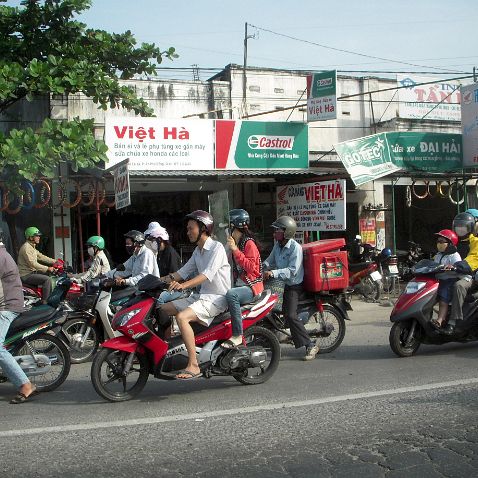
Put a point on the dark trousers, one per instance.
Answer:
(300, 336)
(41, 280)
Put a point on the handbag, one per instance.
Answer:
(276, 286)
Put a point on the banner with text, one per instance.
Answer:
(469, 124)
(261, 145)
(121, 185)
(376, 156)
(439, 100)
(318, 206)
(322, 96)
(156, 144)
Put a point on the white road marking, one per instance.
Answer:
(236, 411)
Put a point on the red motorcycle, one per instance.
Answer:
(121, 369)
(365, 277)
(34, 295)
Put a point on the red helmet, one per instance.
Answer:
(202, 217)
(449, 235)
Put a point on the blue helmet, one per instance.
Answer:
(473, 212)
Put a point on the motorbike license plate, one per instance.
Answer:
(393, 269)
(375, 276)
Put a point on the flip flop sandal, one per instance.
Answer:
(187, 372)
(228, 345)
(22, 398)
(434, 323)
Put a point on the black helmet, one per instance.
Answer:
(135, 236)
(287, 224)
(464, 224)
(203, 218)
(239, 218)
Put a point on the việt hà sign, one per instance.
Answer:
(322, 96)
(318, 206)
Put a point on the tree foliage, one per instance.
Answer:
(45, 50)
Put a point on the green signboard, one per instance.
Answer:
(322, 96)
(372, 157)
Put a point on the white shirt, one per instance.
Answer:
(210, 261)
(138, 266)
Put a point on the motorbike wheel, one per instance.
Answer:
(330, 316)
(107, 375)
(59, 355)
(264, 338)
(397, 338)
(370, 289)
(74, 330)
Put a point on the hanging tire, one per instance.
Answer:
(332, 319)
(107, 375)
(263, 337)
(397, 338)
(74, 331)
(370, 289)
(59, 356)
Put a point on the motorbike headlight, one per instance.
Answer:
(123, 319)
(414, 287)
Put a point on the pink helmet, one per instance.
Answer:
(449, 235)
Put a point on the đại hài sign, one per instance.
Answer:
(378, 155)
(318, 206)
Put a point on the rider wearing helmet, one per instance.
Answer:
(157, 239)
(447, 255)
(464, 225)
(141, 263)
(247, 268)
(11, 304)
(100, 264)
(33, 265)
(285, 263)
(208, 269)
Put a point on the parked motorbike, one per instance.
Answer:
(417, 306)
(120, 370)
(407, 260)
(33, 341)
(365, 277)
(323, 315)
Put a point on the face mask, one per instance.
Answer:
(91, 251)
(148, 243)
(130, 250)
(154, 246)
(441, 246)
(461, 231)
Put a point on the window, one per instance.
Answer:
(278, 108)
(346, 113)
(256, 89)
(278, 90)
(255, 107)
(301, 92)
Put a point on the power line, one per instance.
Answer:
(341, 50)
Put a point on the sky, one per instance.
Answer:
(436, 36)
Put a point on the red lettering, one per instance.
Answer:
(120, 134)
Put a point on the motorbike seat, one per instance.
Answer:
(31, 317)
(358, 266)
(122, 293)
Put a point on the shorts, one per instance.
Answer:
(204, 309)
(445, 291)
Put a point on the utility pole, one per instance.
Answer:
(244, 75)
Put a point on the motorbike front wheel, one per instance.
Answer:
(109, 379)
(331, 319)
(398, 338)
(260, 336)
(370, 289)
(81, 338)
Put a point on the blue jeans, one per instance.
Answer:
(235, 298)
(167, 296)
(9, 365)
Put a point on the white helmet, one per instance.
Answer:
(158, 232)
(151, 226)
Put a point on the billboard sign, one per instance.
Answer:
(322, 96)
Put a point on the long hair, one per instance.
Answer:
(248, 233)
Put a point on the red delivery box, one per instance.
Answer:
(325, 266)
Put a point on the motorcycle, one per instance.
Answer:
(121, 369)
(90, 316)
(418, 305)
(365, 277)
(33, 295)
(323, 315)
(33, 341)
(407, 260)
